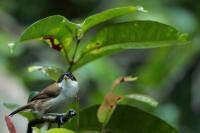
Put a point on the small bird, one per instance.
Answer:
(54, 96)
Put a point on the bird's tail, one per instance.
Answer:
(28, 106)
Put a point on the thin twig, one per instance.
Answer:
(78, 109)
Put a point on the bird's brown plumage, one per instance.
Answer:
(48, 92)
(36, 102)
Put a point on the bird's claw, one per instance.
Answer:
(71, 113)
(62, 118)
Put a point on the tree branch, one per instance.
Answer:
(60, 119)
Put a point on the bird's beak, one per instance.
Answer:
(65, 77)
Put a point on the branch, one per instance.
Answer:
(60, 119)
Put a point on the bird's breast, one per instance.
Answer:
(58, 103)
(70, 90)
(67, 93)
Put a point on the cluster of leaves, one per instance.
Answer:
(66, 37)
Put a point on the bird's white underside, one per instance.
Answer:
(69, 90)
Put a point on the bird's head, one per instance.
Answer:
(67, 78)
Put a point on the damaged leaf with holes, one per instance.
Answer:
(57, 30)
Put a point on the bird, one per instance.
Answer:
(53, 97)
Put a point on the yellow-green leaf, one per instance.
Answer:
(142, 98)
(60, 130)
(56, 27)
(129, 35)
(53, 73)
(93, 20)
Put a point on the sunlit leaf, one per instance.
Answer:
(12, 47)
(29, 115)
(37, 130)
(129, 35)
(53, 73)
(93, 20)
(142, 98)
(60, 130)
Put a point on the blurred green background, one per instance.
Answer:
(171, 75)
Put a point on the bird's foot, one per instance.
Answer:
(71, 113)
(62, 118)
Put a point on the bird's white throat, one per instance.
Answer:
(69, 88)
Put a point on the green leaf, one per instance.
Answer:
(131, 119)
(125, 119)
(129, 35)
(60, 130)
(29, 115)
(55, 26)
(53, 73)
(142, 98)
(87, 121)
(36, 129)
(90, 131)
(93, 20)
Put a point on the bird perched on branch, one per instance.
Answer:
(54, 96)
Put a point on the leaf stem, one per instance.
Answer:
(71, 63)
(76, 48)
(66, 55)
(77, 110)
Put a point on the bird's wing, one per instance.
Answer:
(48, 92)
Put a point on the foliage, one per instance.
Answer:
(135, 120)
(65, 37)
